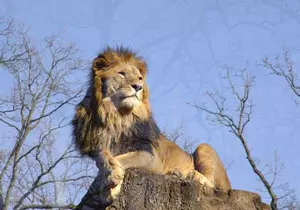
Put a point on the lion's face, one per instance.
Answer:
(124, 86)
(119, 79)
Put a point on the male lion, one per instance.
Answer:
(114, 125)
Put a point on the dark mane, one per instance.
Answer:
(142, 136)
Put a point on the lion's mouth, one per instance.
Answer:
(130, 96)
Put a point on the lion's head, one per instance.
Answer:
(116, 104)
(118, 76)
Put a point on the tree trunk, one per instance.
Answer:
(142, 190)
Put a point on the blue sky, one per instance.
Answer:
(186, 44)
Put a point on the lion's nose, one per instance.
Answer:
(137, 87)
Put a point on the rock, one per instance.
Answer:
(143, 191)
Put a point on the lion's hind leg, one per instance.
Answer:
(209, 165)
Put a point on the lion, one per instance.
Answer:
(113, 124)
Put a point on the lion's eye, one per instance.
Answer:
(121, 73)
(140, 78)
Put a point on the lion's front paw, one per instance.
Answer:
(114, 192)
(198, 177)
(116, 176)
(114, 182)
(110, 177)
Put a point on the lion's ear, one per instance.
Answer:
(99, 63)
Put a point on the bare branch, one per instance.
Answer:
(283, 66)
(9, 124)
(57, 108)
(36, 182)
(48, 206)
(178, 136)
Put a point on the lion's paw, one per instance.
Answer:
(176, 174)
(198, 177)
(114, 192)
(114, 182)
(110, 182)
(116, 176)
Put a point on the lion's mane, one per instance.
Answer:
(96, 126)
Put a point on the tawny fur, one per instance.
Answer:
(110, 119)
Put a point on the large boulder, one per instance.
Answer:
(142, 190)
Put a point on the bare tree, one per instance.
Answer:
(36, 170)
(284, 67)
(236, 120)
